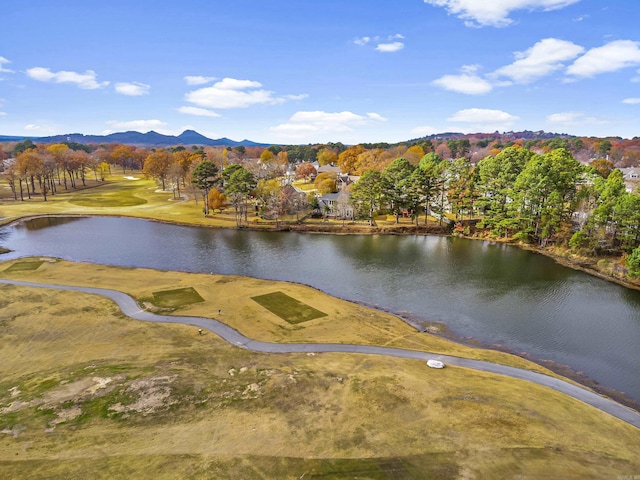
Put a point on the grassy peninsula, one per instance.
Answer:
(86, 389)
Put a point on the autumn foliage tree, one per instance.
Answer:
(414, 154)
(305, 170)
(60, 152)
(123, 155)
(326, 182)
(348, 160)
(327, 156)
(157, 165)
(217, 200)
(32, 166)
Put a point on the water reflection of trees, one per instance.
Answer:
(632, 297)
(41, 223)
(375, 250)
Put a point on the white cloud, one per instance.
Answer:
(568, 119)
(40, 129)
(132, 89)
(376, 116)
(386, 44)
(494, 13)
(613, 56)
(2, 62)
(86, 80)
(201, 112)
(482, 119)
(469, 84)
(544, 57)
(198, 79)
(137, 124)
(362, 41)
(390, 47)
(631, 101)
(234, 93)
(303, 125)
(3, 114)
(235, 84)
(302, 96)
(470, 68)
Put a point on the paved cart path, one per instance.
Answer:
(131, 308)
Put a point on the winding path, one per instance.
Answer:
(130, 308)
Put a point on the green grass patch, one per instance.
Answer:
(287, 308)
(24, 266)
(125, 197)
(307, 187)
(177, 298)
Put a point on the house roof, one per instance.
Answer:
(630, 173)
(330, 196)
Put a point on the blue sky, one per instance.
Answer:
(307, 71)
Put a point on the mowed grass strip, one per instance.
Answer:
(178, 297)
(24, 266)
(287, 308)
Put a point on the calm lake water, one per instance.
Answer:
(495, 293)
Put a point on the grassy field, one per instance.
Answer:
(128, 195)
(86, 392)
(132, 195)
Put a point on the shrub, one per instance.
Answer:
(579, 240)
(633, 263)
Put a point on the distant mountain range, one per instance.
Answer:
(149, 139)
(191, 137)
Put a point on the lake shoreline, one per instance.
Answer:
(428, 327)
(442, 330)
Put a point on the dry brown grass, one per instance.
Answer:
(365, 413)
(139, 400)
(345, 322)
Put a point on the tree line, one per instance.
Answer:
(542, 199)
(538, 195)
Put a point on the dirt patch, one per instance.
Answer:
(76, 391)
(15, 432)
(150, 394)
(65, 415)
